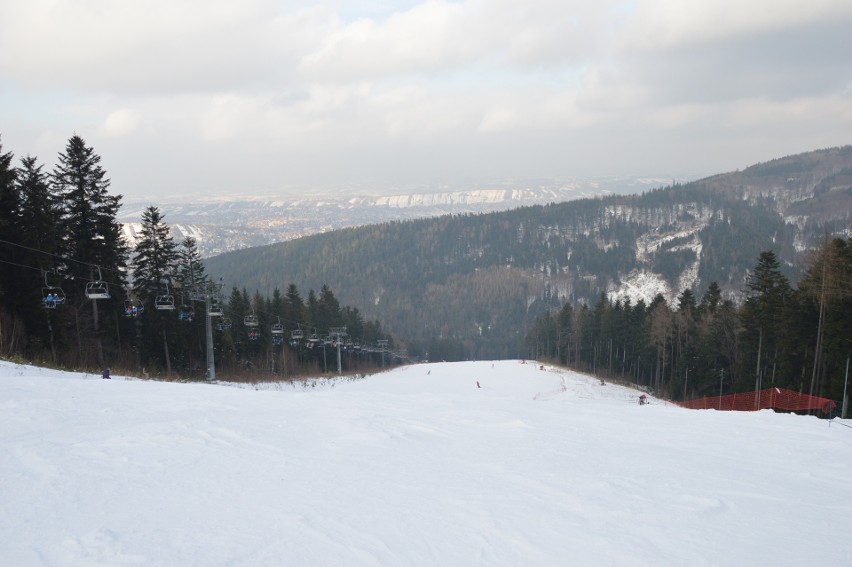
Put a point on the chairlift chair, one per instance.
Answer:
(215, 309)
(253, 335)
(133, 308)
(250, 321)
(277, 340)
(97, 289)
(186, 313)
(52, 296)
(165, 302)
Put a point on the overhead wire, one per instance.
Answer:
(57, 256)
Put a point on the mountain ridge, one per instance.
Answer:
(480, 279)
(223, 224)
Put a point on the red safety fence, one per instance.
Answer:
(770, 398)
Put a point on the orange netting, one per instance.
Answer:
(770, 398)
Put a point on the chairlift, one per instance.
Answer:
(277, 340)
(313, 341)
(250, 321)
(51, 296)
(186, 313)
(253, 335)
(97, 289)
(224, 324)
(215, 309)
(165, 301)
(133, 308)
(297, 334)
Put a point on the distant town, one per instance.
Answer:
(227, 224)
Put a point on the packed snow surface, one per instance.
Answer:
(415, 466)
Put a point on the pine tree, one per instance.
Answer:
(154, 265)
(659, 332)
(711, 298)
(91, 233)
(190, 273)
(764, 310)
(11, 255)
(828, 283)
(39, 230)
(328, 310)
(40, 213)
(294, 307)
(155, 257)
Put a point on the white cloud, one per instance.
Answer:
(667, 23)
(121, 122)
(339, 90)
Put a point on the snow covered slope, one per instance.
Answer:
(416, 466)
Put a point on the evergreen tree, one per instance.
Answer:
(565, 331)
(328, 310)
(39, 230)
(154, 264)
(686, 330)
(190, 274)
(294, 307)
(92, 235)
(11, 255)
(711, 298)
(827, 285)
(10, 198)
(660, 325)
(762, 316)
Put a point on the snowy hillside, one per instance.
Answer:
(416, 466)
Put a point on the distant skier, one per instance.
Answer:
(105, 374)
(643, 399)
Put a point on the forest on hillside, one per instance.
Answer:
(470, 286)
(797, 338)
(74, 295)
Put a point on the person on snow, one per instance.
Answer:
(643, 399)
(105, 374)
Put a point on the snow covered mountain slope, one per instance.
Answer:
(417, 466)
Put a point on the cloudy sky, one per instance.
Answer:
(277, 97)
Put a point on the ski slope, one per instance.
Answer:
(415, 466)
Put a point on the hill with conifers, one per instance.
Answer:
(471, 286)
(75, 295)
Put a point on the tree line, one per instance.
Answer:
(74, 294)
(798, 338)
